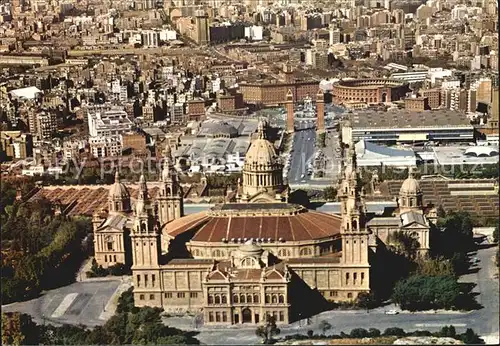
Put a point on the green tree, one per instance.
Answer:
(373, 333)
(325, 326)
(359, 333)
(448, 331)
(394, 331)
(404, 243)
(98, 336)
(330, 193)
(366, 300)
(30, 271)
(18, 329)
(441, 213)
(268, 330)
(427, 292)
(434, 267)
(495, 235)
(126, 302)
(471, 338)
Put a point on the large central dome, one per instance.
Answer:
(261, 155)
(262, 171)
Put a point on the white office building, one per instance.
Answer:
(105, 146)
(107, 121)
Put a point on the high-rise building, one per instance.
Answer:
(42, 124)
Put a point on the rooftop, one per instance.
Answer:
(270, 228)
(365, 148)
(407, 119)
(26, 93)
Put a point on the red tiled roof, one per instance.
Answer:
(304, 226)
(247, 275)
(84, 200)
(274, 275)
(186, 223)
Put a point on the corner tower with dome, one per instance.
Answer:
(410, 217)
(113, 225)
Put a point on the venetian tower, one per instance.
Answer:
(353, 231)
(169, 200)
(290, 121)
(320, 109)
(262, 171)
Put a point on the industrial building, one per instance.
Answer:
(410, 127)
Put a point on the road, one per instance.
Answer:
(303, 152)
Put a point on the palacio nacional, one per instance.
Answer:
(257, 254)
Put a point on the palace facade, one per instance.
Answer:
(255, 255)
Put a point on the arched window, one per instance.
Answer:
(249, 298)
(255, 298)
(274, 299)
(235, 298)
(224, 299)
(268, 298)
(349, 295)
(281, 299)
(242, 298)
(411, 202)
(217, 299)
(354, 224)
(210, 299)
(305, 252)
(248, 262)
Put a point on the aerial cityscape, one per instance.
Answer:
(234, 172)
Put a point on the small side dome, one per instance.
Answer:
(410, 186)
(118, 190)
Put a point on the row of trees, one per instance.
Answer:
(129, 325)
(419, 292)
(54, 265)
(118, 269)
(322, 140)
(40, 250)
(469, 337)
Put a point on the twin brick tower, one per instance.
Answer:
(320, 109)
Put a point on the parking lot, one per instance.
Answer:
(80, 302)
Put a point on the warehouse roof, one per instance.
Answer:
(407, 119)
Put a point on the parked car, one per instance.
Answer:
(392, 312)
